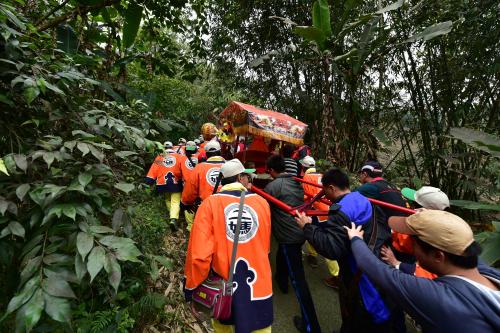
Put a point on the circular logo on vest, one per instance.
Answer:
(212, 175)
(249, 222)
(188, 163)
(169, 161)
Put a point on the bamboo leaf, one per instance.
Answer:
(311, 34)
(133, 16)
(388, 8)
(432, 31)
(477, 139)
(321, 17)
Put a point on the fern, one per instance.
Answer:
(101, 320)
(148, 304)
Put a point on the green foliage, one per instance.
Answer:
(489, 241)
(477, 139)
(133, 15)
(70, 160)
(112, 320)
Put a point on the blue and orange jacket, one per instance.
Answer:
(201, 182)
(210, 248)
(166, 172)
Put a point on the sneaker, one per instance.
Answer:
(332, 282)
(299, 324)
(312, 261)
(173, 224)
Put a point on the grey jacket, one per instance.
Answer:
(283, 225)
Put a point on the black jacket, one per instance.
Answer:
(283, 225)
(331, 241)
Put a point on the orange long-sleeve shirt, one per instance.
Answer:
(166, 172)
(201, 182)
(188, 166)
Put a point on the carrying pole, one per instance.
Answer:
(283, 206)
(374, 201)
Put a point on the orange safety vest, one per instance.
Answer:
(201, 182)
(211, 240)
(310, 191)
(166, 172)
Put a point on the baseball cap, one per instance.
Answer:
(182, 140)
(373, 166)
(308, 162)
(432, 198)
(190, 145)
(212, 146)
(168, 144)
(408, 193)
(234, 167)
(443, 230)
(196, 141)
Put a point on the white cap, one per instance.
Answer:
(190, 145)
(168, 144)
(234, 167)
(212, 146)
(182, 141)
(432, 198)
(308, 162)
(197, 141)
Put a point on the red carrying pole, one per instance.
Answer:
(375, 201)
(271, 199)
(284, 206)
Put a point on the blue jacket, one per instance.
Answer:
(446, 304)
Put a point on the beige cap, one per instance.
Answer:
(234, 167)
(443, 230)
(212, 146)
(432, 198)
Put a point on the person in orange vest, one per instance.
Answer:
(166, 173)
(189, 163)
(311, 175)
(427, 197)
(210, 247)
(204, 178)
(180, 148)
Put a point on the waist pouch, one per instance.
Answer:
(215, 295)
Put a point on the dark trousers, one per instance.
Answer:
(289, 265)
